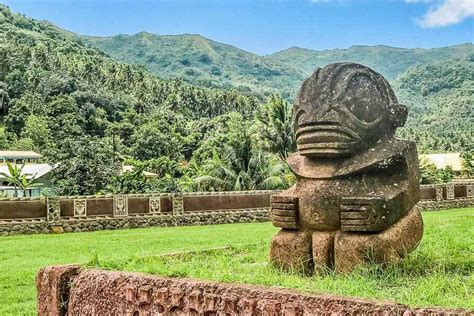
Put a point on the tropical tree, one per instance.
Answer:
(274, 127)
(15, 176)
(27, 182)
(467, 165)
(85, 167)
(4, 98)
(236, 170)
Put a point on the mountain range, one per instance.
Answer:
(205, 62)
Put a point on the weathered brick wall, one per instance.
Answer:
(65, 290)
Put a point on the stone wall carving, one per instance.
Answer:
(80, 207)
(27, 223)
(139, 294)
(120, 205)
(155, 204)
(470, 190)
(84, 224)
(439, 193)
(178, 204)
(450, 191)
(53, 207)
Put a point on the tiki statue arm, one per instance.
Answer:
(283, 210)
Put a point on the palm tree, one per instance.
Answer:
(14, 176)
(26, 183)
(243, 169)
(275, 127)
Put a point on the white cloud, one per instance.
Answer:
(445, 12)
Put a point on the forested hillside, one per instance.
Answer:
(199, 60)
(202, 61)
(440, 97)
(90, 113)
(389, 61)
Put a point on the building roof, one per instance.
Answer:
(36, 170)
(146, 174)
(11, 154)
(441, 161)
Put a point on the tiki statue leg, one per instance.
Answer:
(290, 250)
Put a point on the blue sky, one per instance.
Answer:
(267, 26)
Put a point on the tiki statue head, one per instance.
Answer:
(344, 108)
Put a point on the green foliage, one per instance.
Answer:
(87, 112)
(4, 142)
(4, 98)
(275, 127)
(68, 101)
(18, 179)
(438, 91)
(440, 97)
(167, 178)
(389, 61)
(36, 129)
(199, 61)
(468, 165)
(86, 169)
(14, 176)
(430, 174)
(202, 61)
(232, 160)
(163, 135)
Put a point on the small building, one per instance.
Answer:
(146, 174)
(19, 157)
(32, 167)
(441, 161)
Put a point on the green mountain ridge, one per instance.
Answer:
(198, 60)
(389, 61)
(202, 61)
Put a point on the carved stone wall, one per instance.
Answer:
(178, 204)
(439, 193)
(96, 292)
(470, 190)
(450, 191)
(84, 213)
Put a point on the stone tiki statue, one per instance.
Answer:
(357, 186)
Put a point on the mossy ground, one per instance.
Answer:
(440, 272)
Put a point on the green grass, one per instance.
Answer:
(439, 272)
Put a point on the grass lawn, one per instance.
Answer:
(440, 272)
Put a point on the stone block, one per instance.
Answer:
(96, 292)
(53, 285)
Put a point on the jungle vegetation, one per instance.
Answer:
(91, 114)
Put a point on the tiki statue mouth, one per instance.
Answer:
(326, 140)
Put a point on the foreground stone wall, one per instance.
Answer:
(66, 290)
